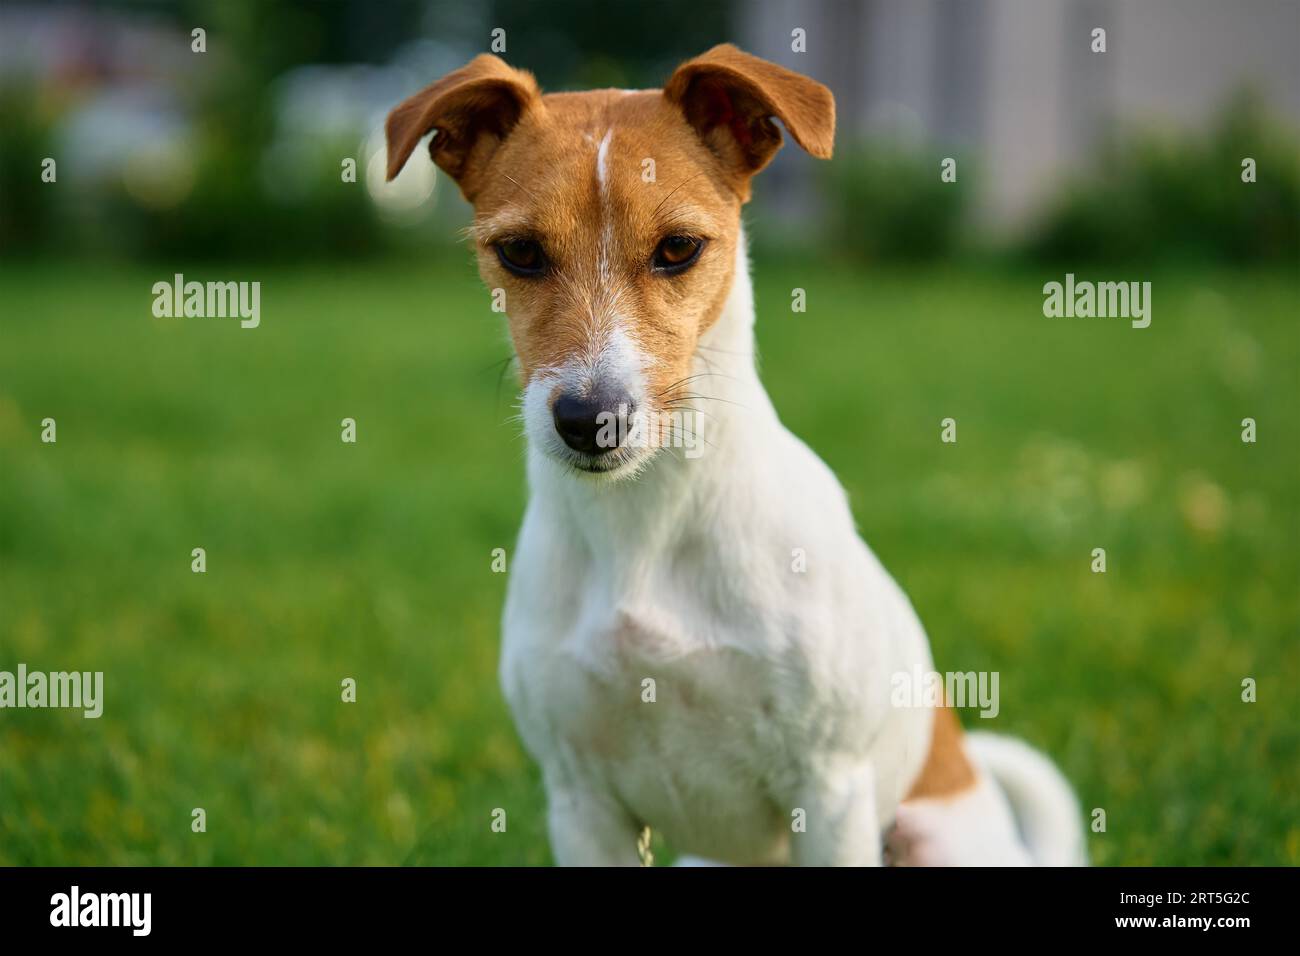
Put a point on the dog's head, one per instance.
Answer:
(610, 219)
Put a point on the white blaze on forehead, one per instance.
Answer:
(602, 160)
(607, 232)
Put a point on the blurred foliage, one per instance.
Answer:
(232, 208)
(593, 44)
(232, 212)
(1151, 196)
(1171, 196)
(235, 205)
(890, 203)
(28, 138)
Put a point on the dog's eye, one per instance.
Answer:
(677, 254)
(523, 257)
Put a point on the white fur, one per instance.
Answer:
(772, 686)
(975, 827)
(606, 214)
(602, 161)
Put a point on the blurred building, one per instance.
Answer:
(1015, 85)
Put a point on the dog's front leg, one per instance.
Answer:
(588, 828)
(841, 827)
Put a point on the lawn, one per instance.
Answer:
(372, 560)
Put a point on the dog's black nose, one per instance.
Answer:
(595, 423)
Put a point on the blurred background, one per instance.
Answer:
(372, 561)
(1060, 151)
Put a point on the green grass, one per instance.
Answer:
(372, 560)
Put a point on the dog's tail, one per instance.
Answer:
(1045, 807)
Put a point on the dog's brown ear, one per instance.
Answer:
(730, 98)
(472, 109)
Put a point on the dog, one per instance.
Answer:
(700, 644)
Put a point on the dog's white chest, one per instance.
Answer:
(685, 734)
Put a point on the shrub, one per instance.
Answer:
(890, 203)
(1168, 196)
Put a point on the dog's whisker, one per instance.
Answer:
(680, 382)
(690, 378)
(712, 398)
(530, 193)
(676, 405)
(674, 191)
(686, 408)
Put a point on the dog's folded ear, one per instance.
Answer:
(472, 109)
(730, 98)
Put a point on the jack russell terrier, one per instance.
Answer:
(667, 661)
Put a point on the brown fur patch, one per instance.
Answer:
(947, 770)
